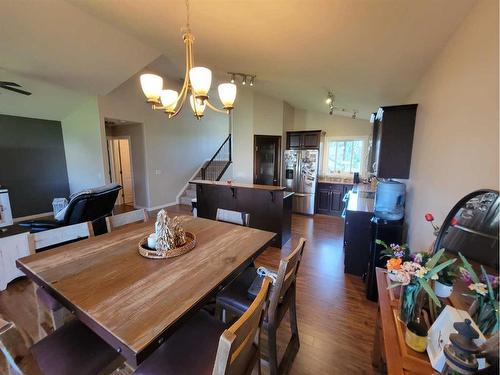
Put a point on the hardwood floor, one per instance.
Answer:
(336, 321)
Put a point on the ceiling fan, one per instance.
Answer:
(12, 86)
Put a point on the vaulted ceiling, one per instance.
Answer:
(369, 52)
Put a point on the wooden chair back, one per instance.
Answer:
(56, 236)
(287, 273)
(115, 221)
(233, 217)
(238, 350)
(14, 347)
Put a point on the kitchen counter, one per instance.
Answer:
(270, 207)
(239, 185)
(361, 199)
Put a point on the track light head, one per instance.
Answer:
(252, 80)
(232, 78)
(244, 82)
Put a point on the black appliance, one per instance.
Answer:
(389, 231)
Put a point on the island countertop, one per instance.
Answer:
(239, 185)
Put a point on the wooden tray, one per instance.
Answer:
(152, 254)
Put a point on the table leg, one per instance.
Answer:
(377, 344)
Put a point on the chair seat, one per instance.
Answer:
(190, 350)
(235, 295)
(50, 302)
(73, 349)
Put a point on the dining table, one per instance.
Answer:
(135, 303)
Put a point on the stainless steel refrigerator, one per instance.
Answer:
(301, 174)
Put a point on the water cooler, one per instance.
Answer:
(386, 225)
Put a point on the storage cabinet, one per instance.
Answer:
(392, 141)
(329, 198)
(303, 140)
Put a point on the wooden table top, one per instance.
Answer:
(132, 302)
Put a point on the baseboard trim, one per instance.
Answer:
(31, 217)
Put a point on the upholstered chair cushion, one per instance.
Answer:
(190, 350)
(73, 349)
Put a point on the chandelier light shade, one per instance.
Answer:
(227, 94)
(201, 79)
(198, 106)
(196, 85)
(151, 87)
(169, 100)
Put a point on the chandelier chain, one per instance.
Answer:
(188, 26)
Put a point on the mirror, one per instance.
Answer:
(471, 228)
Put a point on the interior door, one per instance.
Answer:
(120, 168)
(267, 160)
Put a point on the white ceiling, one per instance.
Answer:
(369, 52)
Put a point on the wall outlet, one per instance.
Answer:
(157, 172)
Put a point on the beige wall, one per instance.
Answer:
(267, 115)
(84, 147)
(175, 148)
(455, 149)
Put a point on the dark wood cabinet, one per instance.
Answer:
(330, 198)
(357, 240)
(392, 141)
(303, 140)
(323, 200)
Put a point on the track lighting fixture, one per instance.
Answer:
(245, 78)
(332, 107)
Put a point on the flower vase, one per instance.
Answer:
(410, 302)
(484, 315)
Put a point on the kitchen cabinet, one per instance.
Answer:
(392, 141)
(303, 140)
(329, 198)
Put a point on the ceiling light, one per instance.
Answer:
(252, 80)
(244, 82)
(196, 84)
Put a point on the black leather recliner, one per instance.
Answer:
(89, 205)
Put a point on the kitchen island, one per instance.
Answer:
(270, 207)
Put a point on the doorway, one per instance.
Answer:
(120, 168)
(267, 159)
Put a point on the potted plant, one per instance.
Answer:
(443, 286)
(485, 290)
(413, 272)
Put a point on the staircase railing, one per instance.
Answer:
(217, 166)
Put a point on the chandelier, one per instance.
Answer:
(196, 85)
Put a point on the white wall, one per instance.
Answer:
(84, 148)
(175, 148)
(455, 149)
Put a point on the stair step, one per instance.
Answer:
(185, 200)
(190, 193)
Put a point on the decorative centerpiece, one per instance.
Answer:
(413, 272)
(169, 240)
(485, 290)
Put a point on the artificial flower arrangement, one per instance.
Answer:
(485, 290)
(414, 272)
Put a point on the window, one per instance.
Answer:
(345, 156)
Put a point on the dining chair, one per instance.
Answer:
(116, 221)
(233, 217)
(72, 349)
(193, 349)
(235, 299)
(50, 313)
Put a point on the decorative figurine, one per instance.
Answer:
(161, 229)
(179, 234)
(461, 352)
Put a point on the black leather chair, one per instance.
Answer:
(89, 205)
